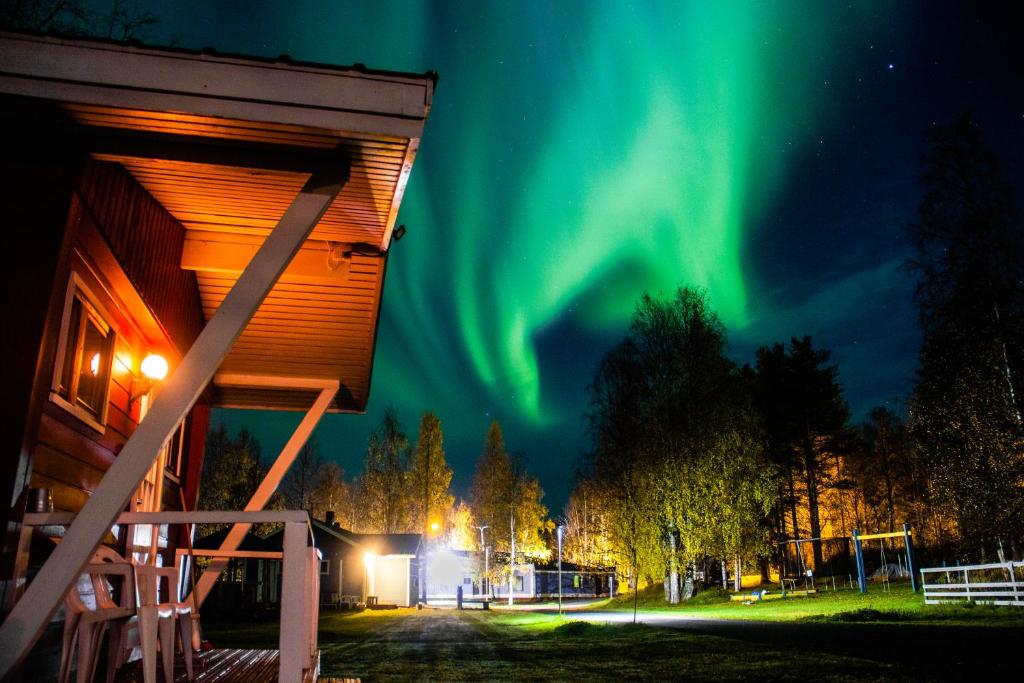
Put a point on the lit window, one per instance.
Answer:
(82, 377)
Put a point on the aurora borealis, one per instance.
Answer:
(579, 154)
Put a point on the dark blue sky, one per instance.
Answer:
(575, 157)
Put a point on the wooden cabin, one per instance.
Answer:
(183, 230)
(374, 569)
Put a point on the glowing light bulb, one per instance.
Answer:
(94, 364)
(154, 367)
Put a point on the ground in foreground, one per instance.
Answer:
(450, 645)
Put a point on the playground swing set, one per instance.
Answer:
(859, 541)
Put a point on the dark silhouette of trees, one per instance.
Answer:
(966, 407)
(801, 402)
(300, 483)
(120, 20)
(232, 471)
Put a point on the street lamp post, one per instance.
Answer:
(561, 531)
(512, 556)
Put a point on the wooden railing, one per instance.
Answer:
(998, 583)
(300, 579)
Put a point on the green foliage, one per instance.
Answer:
(677, 448)
(232, 470)
(429, 477)
(504, 495)
(966, 408)
(383, 493)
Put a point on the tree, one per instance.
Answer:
(331, 494)
(429, 477)
(123, 21)
(300, 483)
(382, 488)
(587, 534)
(232, 471)
(505, 497)
(493, 490)
(804, 412)
(460, 528)
(966, 407)
(671, 424)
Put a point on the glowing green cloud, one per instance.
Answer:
(665, 138)
(577, 156)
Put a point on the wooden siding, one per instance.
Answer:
(147, 241)
(70, 457)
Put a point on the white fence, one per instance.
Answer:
(1000, 583)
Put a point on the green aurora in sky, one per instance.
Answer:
(590, 156)
(577, 155)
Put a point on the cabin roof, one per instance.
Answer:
(224, 143)
(378, 544)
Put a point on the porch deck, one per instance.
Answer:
(222, 666)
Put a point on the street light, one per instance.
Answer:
(484, 582)
(561, 532)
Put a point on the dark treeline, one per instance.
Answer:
(405, 487)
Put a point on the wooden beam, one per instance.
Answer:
(88, 72)
(130, 146)
(266, 489)
(44, 519)
(220, 252)
(230, 379)
(250, 554)
(29, 617)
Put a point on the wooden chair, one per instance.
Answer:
(161, 618)
(90, 609)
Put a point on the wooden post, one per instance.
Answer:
(44, 595)
(293, 640)
(270, 482)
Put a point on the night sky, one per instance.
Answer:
(580, 153)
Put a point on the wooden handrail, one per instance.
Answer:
(177, 517)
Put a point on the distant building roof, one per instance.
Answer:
(378, 544)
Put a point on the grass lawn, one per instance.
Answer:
(898, 604)
(477, 646)
(436, 644)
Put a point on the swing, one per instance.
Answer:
(858, 542)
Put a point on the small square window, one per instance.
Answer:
(325, 567)
(82, 377)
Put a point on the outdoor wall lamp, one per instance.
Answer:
(153, 369)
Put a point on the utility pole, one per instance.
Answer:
(483, 583)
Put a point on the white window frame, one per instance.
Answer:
(325, 567)
(76, 287)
